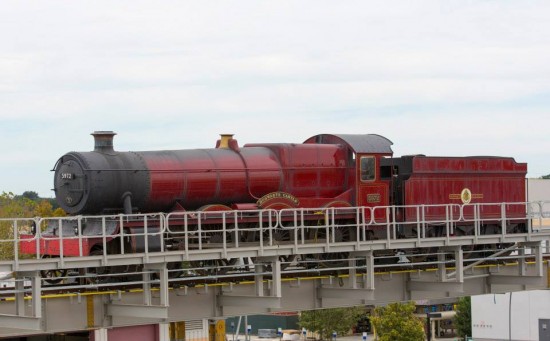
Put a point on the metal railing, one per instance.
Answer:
(292, 231)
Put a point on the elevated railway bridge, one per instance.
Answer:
(168, 282)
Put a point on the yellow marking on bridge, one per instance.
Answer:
(138, 290)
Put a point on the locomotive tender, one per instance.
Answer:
(327, 170)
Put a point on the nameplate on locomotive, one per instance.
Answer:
(373, 198)
(278, 196)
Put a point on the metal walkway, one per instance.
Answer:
(260, 281)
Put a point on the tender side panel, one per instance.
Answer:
(474, 180)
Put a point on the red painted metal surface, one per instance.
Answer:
(442, 180)
(148, 332)
(50, 245)
(324, 171)
(224, 176)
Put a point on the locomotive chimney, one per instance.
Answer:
(224, 140)
(103, 141)
(227, 141)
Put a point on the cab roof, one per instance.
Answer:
(359, 143)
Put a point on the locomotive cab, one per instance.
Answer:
(372, 186)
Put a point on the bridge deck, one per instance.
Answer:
(260, 281)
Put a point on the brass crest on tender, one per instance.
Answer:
(466, 196)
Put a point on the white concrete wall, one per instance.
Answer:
(538, 189)
(490, 315)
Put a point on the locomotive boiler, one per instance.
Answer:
(325, 171)
(106, 181)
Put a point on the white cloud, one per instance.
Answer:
(453, 77)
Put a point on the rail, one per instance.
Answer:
(189, 236)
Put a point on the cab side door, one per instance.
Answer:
(371, 191)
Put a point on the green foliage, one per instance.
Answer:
(325, 321)
(32, 195)
(20, 206)
(463, 317)
(545, 176)
(396, 322)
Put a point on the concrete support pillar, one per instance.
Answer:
(522, 265)
(352, 274)
(459, 264)
(276, 288)
(369, 258)
(259, 279)
(147, 298)
(164, 332)
(539, 259)
(441, 269)
(20, 296)
(36, 290)
(101, 334)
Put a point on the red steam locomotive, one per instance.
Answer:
(325, 171)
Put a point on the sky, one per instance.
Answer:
(441, 78)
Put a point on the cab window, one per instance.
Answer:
(368, 169)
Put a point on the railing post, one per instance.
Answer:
(423, 220)
(327, 231)
(61, 253)
(447, 222)
(121, 232)
(363, 223)
(79, 227)
(394, 223)
(418, 226)
(503, 224)
(476, 223)
(388, 224)
(146, 237)
(161, 231)
(236, 223)
(261, 228)
(38, 236)
(186, 236)
(104, 238)
(199, 227)
(358, 228)
(302, 226)
(224, 237)
(15, 244)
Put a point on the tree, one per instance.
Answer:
(20, 207)
(32, 195)
(326, 321)
(463, 317)
(396, 322)
(545, 176)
